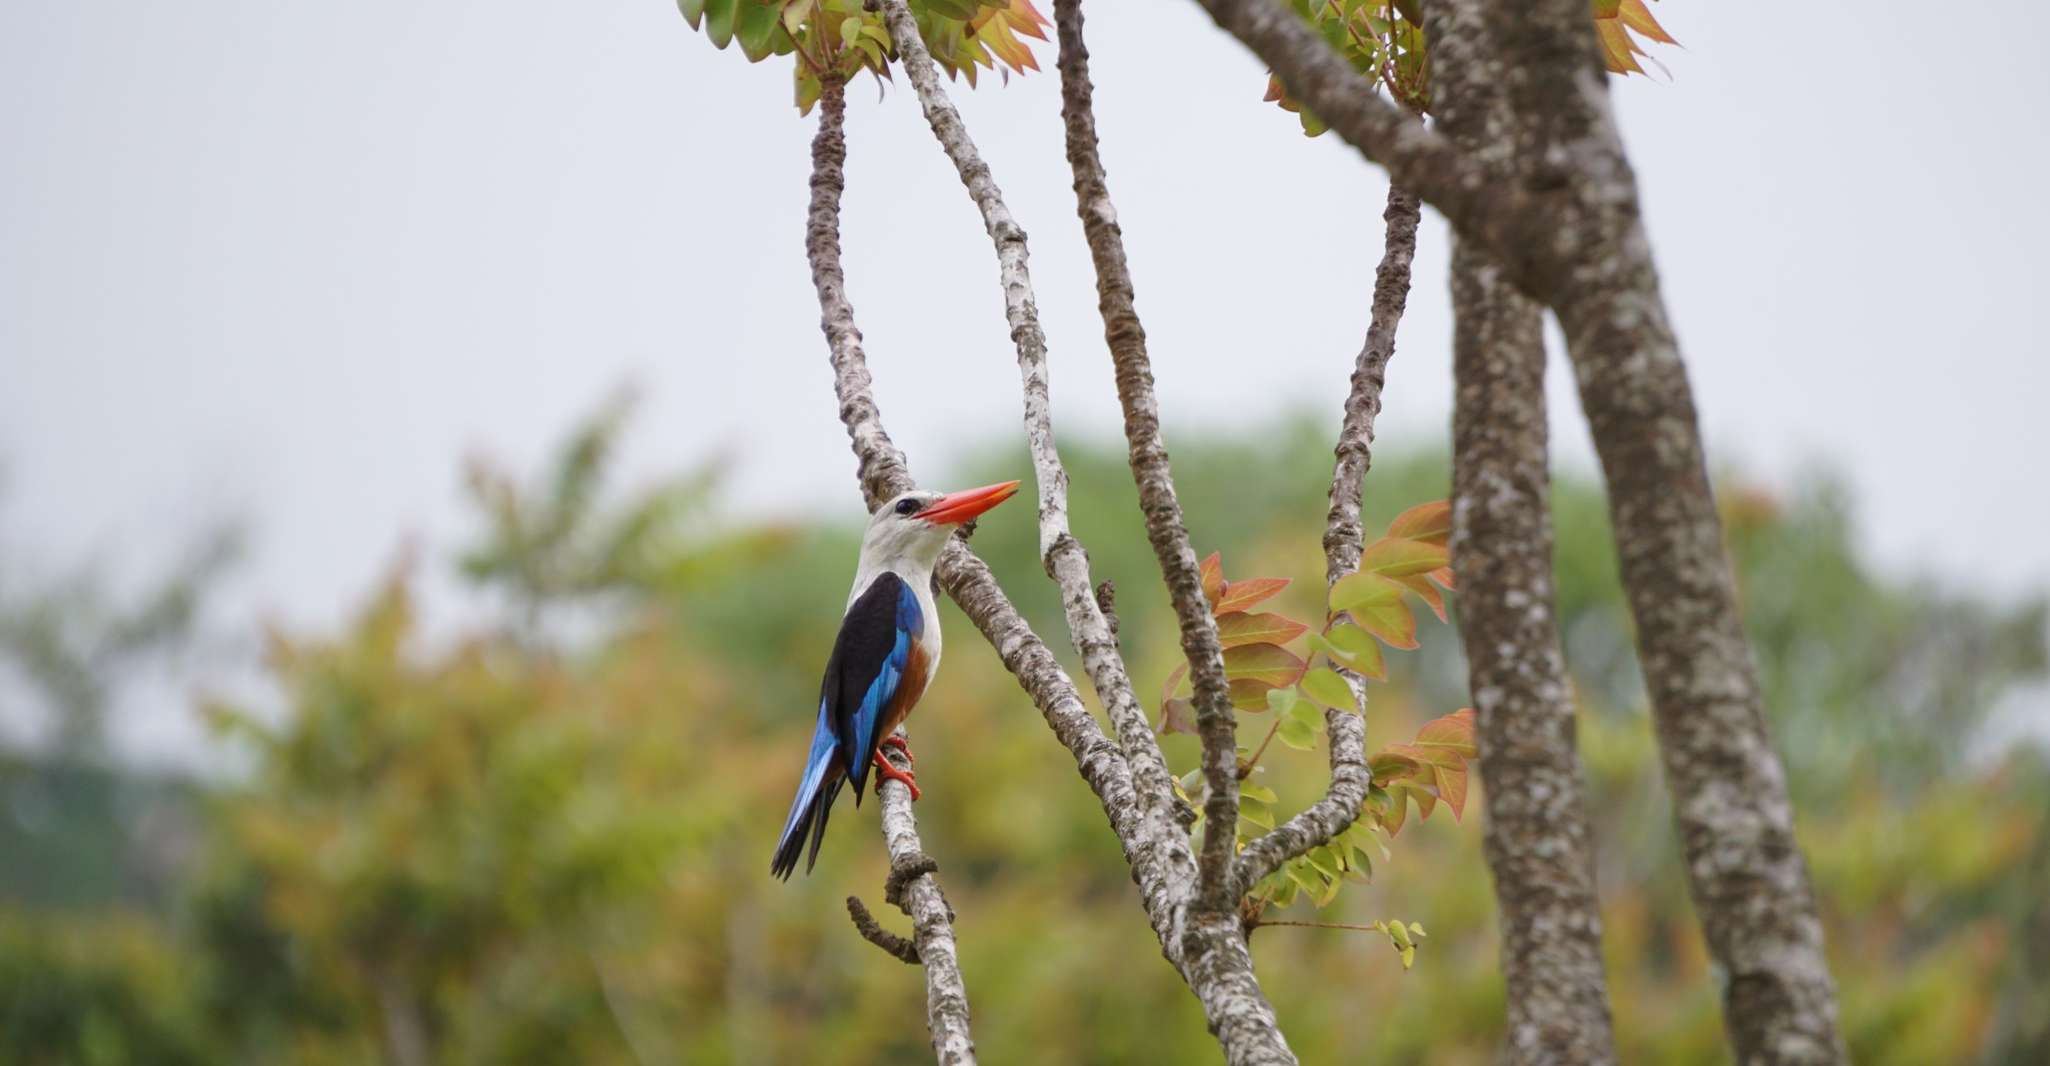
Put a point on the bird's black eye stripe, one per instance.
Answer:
(907, 507)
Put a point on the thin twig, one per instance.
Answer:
(1343, 540)
(872, 931)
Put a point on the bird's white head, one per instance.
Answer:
(908, 532)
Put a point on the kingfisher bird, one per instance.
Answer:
(887, 650)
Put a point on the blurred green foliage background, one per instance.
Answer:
(547, 840)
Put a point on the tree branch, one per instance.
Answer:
(872, 931)
(917, 891)
(1216, 721)
(1206, 944)
(1538, 842)
(1571, 235)
(883, 474)
(1344, 538)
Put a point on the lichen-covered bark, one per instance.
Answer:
(932, 924)
(1216, 721)
(1749, 880)
(1570, 234)
(1539, 846)
(883, 474)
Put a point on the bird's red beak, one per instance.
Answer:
(957, 507)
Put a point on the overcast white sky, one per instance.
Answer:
(295, 260)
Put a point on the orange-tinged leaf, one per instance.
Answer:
(1248, 694)
(1617, 47)
(1452, 788)
(1239, 628)
(1239, 595)
(1444, 578)
(1427, 592)
(1454, 731)
(1213, 579)
(1174, 680)
(1426, 796)
(1177, 716)
(1397, 556)
(1638, 17)
(1268, 663)
(1387, 765)
(1427, 522)
(1393, 623)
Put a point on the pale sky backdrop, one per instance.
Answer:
(293, 261)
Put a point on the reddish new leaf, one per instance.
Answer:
(1427, 592)
(1174, 680)
(1239, 628)
(1427, 522)
(1269, 664)
(1177, 716)
(1213, 579)
(1239, 595)
(1454, 732)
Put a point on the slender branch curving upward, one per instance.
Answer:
(1539, 846)
(883, 474)
(1147, 456)
(1344, 539)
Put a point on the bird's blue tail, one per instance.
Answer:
(816, 791)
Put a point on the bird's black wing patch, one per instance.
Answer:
(869, 658)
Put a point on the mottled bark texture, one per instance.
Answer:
(1538, 842)
(914, 889)
(1749, 880)
(1206, 945)
(1216, 722)
(883, 474)
(1569, 233)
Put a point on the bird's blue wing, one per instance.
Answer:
(869, 661)
(874, 651)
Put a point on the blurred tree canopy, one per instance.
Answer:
(547, 840)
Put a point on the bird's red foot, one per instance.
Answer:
(896, 740)
(886, 770)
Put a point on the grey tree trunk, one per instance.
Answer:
(1539, 846)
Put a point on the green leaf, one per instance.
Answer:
(755, 27)
(1258, 792)
(1257, 814)
(1239, 628)
(719, 16)
(1309, 714)
(1362, 590)
(794, 15)
(693, 11)
(1282, 700)
(850, 31)
(1398, 556)
(1295, 734)
(1360, 653)
(1326, 687)
(1269, 664)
